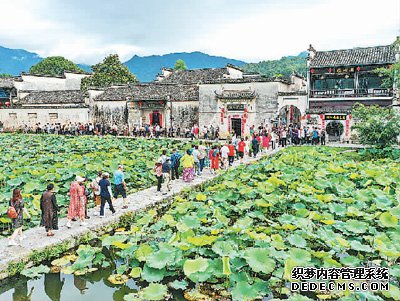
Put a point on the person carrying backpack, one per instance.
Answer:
(16, 213)
(175, 163)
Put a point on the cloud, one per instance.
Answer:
(87, 30)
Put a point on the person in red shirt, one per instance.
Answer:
(214, 158)
(231, 154)
(241, 148)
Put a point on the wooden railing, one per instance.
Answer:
(331, 93)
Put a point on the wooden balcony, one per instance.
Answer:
(351, 93)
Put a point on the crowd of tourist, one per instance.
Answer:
(202, 155)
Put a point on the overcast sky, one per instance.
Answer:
(251, 30)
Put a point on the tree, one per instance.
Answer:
(180, 65)
(5, 75)
(389, 75)
(107, 73)
(376, 126)
(54, 66)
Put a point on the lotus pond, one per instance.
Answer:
(239, 237)
(30, 162)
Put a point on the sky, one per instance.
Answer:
(85, 31)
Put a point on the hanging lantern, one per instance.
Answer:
(321, 116)
(8, 103)
(161, 102)
(140, 103)
(312, 70)
(358, 68)
(330, 70)
(308, 116)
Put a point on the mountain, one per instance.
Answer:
(147, 67)
(282, 67)
(14, 61)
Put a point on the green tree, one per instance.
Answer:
(389, 75)
(180, 65)
(54, 66)
(4, 75)
(376, 126)
(107, 73)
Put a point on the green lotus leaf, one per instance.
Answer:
(202, 240)
(224, 248)
(201, 197)
(351, 261)
(179, 285)
(135, 272)
(35, 272)
(298, 297)
(243, 291)
(155, 291)
(388, 220)
(143, 252)
(383, 203)
(356, 226)
(163, 257)
(152, 275)
(297, 241)
(299, 255)
(195, 265)
(356, 245)
(118, 279)
(259, 260)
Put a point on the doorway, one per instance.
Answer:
(156, 118)
(334, 129)
(237, 126)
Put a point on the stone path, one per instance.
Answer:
(36, 239)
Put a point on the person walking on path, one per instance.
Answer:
(120, 185)
(18, 203)
(196, 157)
(323, 137)
(158, 173)
(175, 163)
(166, 172)
(224, 156)
(188, 166)
(77, 201)
(214, 158)
(241, 149)
(283, 137)
(96, 192)
(255, 145)
(202, 156)
(231, 153)
(48, 205)
(265, 142)
(315, 137)
(105, 193)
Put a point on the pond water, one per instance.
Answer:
(61, 287)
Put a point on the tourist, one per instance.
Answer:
(188, 166)
(231, 153)
(120, 185)
(214, 159)
(196, 157)
(96, 192)
(166, 173)
(283, 137)
(323, 137)
(48, 205)
(105, 194)
(224, 156)
(175, 163)
(315, 137)
(273, 139)
(241, 149)
(77, 201)
(18, 204)
(158, 173)
(265, 142)
(202, 156)
(255, 145)
(163, 156)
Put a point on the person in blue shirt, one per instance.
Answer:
(120, 185)
(105, 194)
(315, 137)
(175, 163)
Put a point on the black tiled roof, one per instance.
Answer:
(152, 91)
(354, 57)
(53, 97)
(196, 76)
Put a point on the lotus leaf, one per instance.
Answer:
(258, 259)
(195, 265)
(388, 220)
(243, 291)
(118, 279)
(35, 272)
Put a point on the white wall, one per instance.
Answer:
(71, 81)
(65, 115)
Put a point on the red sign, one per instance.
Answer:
(347, 129)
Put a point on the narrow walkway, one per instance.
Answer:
(38, 241)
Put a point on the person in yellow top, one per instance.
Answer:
(187, 162)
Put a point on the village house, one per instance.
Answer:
(338, 79)
(31, 99)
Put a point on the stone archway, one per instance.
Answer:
(289, 115)
(334, 130)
